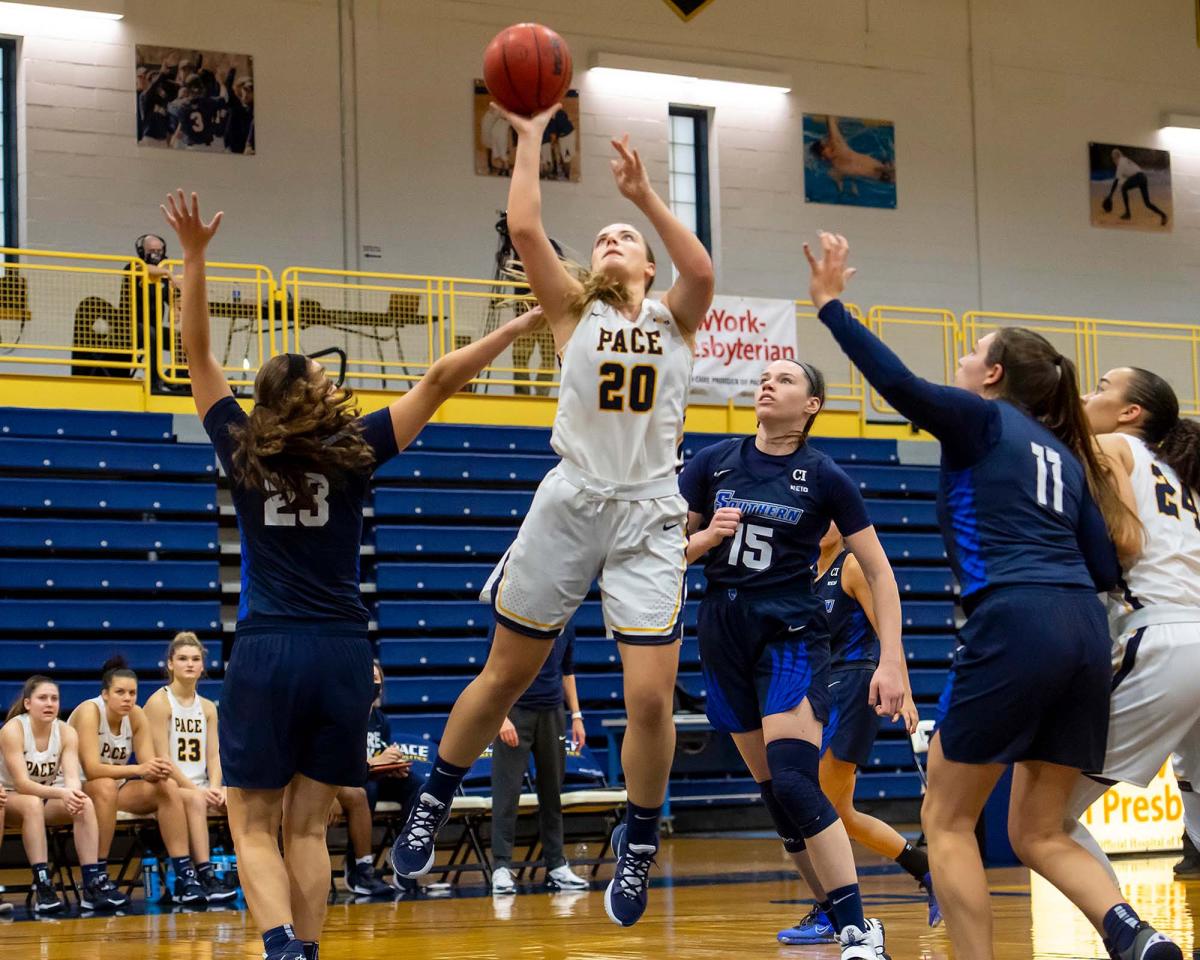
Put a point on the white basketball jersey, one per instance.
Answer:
(43, 766)
(1168, 571)
(115, 748)
(623, 393)
(189, 739)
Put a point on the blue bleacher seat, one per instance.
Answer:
(423, 541)
(471, 614)
(893, 479)
(109, 535)
(141, 575)
(127, 615)
(71, 496)
(451, 437)
(84, 424)
(508, 505)
(77, 656)
(391, 577)
(913, 546)
(843, 449)
(457, 467)
(143, 459)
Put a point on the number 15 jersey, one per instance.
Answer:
(300, 564)
(786, 504)
(623, 393)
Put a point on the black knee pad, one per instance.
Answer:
(789, 833)
(796, 783)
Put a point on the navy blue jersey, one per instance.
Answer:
(852, 639)
(1013, 500)
(300, 564)
(197, 118)
(786, 503)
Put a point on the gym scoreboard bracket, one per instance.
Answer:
(686, 9)
(1131, 820)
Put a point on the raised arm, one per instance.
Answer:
(451, 373)
(208, 379)
(691, 296)
(966, 424)
(555, 289)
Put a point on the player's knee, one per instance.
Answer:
(789, 833)
(1031, 841)
(353, 798)
(102, 792)
(796, 782)
(649, 704)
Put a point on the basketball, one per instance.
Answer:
(527, 68)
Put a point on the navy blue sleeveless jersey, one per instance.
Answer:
(1013, 500)
(300, 564)
(786, 503)
(852, 640)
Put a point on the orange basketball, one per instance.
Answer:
(527, 68)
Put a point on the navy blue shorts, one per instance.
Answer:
(296, 702)
(762, 655)
(1030, 681)
(853, 724)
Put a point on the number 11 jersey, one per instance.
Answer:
(786, 504)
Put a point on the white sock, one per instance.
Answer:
(366, 861)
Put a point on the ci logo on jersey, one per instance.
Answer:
(800, 476)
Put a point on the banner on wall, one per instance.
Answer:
(1129, 819)
(739, 336)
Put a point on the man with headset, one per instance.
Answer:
(151, 250)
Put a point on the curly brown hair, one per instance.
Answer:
(300, 424)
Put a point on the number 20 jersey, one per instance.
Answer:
(786, 504)
(624, 389)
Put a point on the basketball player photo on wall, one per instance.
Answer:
(496, 143)
(195, 99)
(1130, 187)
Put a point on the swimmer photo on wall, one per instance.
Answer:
(849, 160)
(1130, 187)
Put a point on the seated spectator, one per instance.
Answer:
(358, 803)
(537, 724)
(183, 725)
(40, 776)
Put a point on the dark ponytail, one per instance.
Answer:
(18, 705)
(1044, 384)
(1173, 439)
(114, 668)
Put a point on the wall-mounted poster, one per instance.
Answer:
(1130, 187)
(195, 99)
(496, 143)
(849, 160)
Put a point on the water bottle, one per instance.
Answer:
(150, 880)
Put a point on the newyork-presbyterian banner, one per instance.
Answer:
(740, 336)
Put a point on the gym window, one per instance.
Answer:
(8, 143)
(688, 167)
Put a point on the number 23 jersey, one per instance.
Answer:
(786, 504)
(623, 393)
(300, 564)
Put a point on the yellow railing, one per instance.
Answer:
(78, 314)
(72, 314)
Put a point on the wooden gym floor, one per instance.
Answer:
(713, 898)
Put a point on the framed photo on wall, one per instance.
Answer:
(496, 143)
(191, 99)
(849, 160)
(1129, 188)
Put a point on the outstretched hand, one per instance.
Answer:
(529, 126)
(184, 218)
(829, 274)
(629, 171)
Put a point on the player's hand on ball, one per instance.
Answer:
(529, 126)
(829, 274)
(629, 171)
(508, 733)
(888, 690)
(189, 226)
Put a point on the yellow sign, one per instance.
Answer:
(1132, 820)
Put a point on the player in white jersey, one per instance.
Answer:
(610, 509)
(183, 725)
(112, 728)
(1155, 613)
(40, 776)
